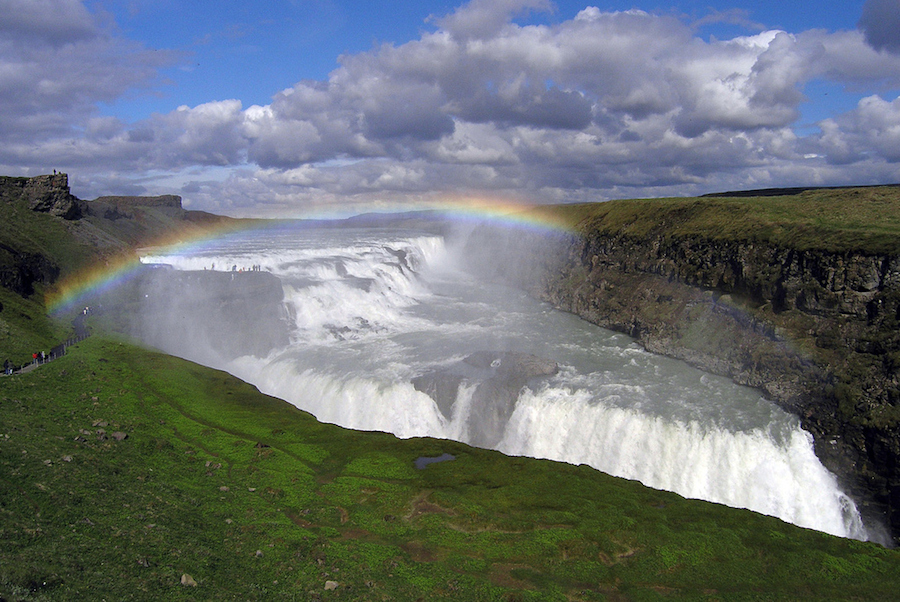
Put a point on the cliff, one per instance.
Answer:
(50, 231)
(805, 310)
(118, 207)
(47, 194)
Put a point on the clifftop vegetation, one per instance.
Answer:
(865, 219)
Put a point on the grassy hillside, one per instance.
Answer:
(67, 246)
(124, 470)
(854, 219)
(24, 325)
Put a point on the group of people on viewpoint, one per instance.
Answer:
(37, 358)
(235, 268)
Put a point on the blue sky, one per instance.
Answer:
(306, 107)
(250, 50)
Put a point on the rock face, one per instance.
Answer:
(48, 194)
(111, 223)
(817, 332)
(118, 207)
(19, 271)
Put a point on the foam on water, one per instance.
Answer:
(740, 469)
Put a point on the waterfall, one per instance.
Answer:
(370, 313)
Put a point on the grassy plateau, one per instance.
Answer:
(854, 219)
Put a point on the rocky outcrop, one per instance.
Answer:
(816, 331)
(107, 226)
(22, 268)
(119, 207)
(47, 194)
(20, 271)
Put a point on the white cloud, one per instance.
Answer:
(483, 18)
(870, 132)
(57, 62)
(606, 104)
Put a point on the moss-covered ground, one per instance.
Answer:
(256, 500)
(855, 219)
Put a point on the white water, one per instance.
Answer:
(372, 309)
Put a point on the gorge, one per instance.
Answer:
(809, 320)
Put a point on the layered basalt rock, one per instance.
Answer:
(816, 331)
(109, 224)
(20, 271)
(46, 194)
(125, 207)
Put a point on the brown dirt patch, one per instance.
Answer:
(420, 506)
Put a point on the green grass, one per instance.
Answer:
(32, 232)
(855, 219)
(25, 327)
(256, 500)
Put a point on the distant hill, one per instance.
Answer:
(787, 191)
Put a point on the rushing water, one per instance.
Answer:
(369, 310)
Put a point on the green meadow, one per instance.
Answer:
(126, 474)
(124, 470)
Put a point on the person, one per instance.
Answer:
(7, 369)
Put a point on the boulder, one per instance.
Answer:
(442, 387)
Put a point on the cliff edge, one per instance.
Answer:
(46, 194)
(796, 296)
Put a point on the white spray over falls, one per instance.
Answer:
(383, 329)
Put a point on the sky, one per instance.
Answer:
(311, 108)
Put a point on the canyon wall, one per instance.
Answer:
(815, 331)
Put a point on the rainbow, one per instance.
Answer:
(76, 290)
(540, 218)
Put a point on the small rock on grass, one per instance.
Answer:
(330, 585)
(188, 581)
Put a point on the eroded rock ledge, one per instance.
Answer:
(815, 331)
